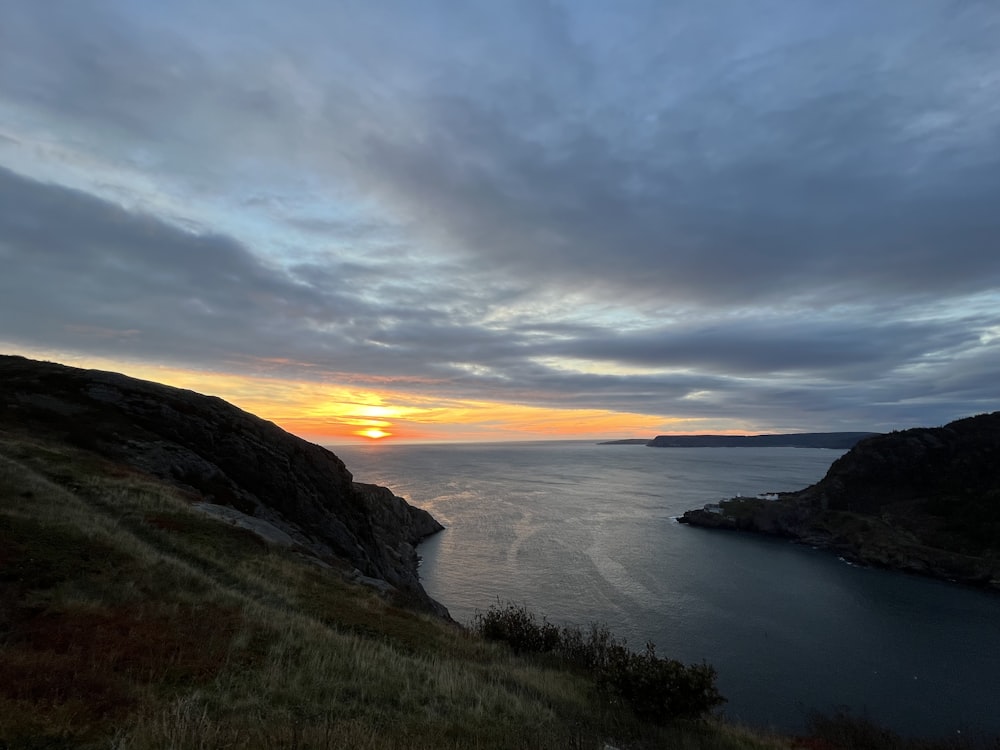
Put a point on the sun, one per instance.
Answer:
(374, 433)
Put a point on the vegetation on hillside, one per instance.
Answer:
(656, 689)
(223, 455)
(130, 620)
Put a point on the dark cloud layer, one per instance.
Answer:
(781, 214)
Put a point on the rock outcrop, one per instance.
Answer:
(223, 456)
(924, 500)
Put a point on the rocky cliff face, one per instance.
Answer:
(925, 500)
(959, 459)
(224, 456)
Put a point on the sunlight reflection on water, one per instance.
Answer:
(583, 533)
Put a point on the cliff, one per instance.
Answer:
(925, 500)
(223, 456)
(135, 614)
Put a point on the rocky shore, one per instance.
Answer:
(925, 501)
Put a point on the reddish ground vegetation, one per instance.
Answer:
(166, 522)
(136, 641)
(90, 665)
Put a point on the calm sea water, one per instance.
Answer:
(582, 532)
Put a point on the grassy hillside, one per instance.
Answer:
(130, 620)
(225, 456)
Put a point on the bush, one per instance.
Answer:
(517, 627)
(656, 689)
(660, 689)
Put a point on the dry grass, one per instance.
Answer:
(129, 620)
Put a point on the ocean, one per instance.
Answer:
(585, 533)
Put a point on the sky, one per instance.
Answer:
(512, 220)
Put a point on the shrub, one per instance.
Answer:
(517, 627)
(656, 689)
(659, 689)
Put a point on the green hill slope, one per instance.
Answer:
(131, 618)
(155, 592)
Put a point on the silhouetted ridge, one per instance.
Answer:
(224, 456)
(925, 500)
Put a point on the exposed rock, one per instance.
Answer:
(226, 457)
(390, 512)
(383, 587)
(925, 500)
(266, 531)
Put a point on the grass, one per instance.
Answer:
(129, 620)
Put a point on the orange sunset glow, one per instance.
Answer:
(333, 413)
(334, 277)
(383, 232)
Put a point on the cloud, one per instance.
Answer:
(833, 204)
(81, 271)
(719, 162)
(73, 260)
(781, 214)
(760, 346)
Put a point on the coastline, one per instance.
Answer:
(923, 501)
(856, 538)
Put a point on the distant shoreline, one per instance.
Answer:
(837, 440)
